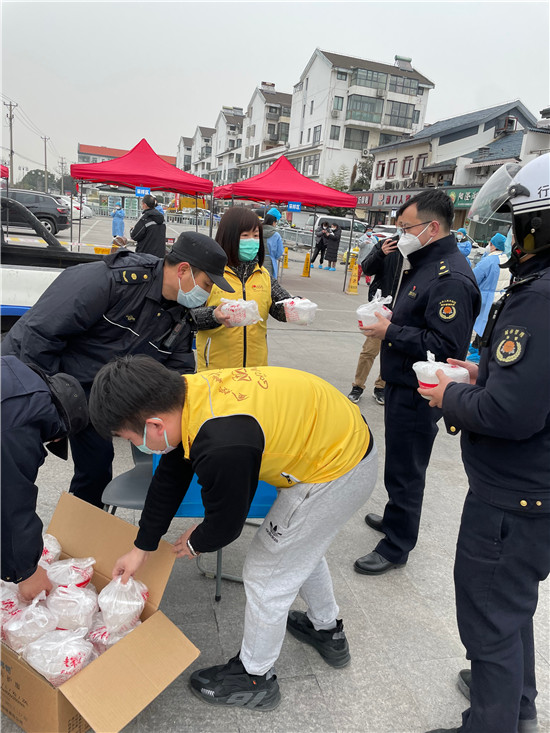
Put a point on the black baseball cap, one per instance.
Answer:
(205, 254)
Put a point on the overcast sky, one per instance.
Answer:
(107, 73)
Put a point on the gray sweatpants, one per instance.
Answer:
(287, 557)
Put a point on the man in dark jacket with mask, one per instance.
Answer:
(36, 409)
(127, 303)
(150, 231)
(434, 308)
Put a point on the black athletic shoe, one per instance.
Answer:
(230, 684)
(355, 394)
(332, 645)
(378, 395)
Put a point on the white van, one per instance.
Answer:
(359, 227)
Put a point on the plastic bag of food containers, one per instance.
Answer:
(102, 638)
(51, 551)
(72, 571)
(241, 312)
(59, 655)
(33, 621)
(75, 607)
(11, 604)
(365, 313)
(427, 377)
(121, 605)
(300, 311)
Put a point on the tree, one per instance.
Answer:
(34, 181)
(363, 174)
(339, 181)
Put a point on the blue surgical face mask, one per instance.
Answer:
(248, 249)
(149, 451)
(195, 297)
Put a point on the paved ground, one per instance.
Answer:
(401, 626)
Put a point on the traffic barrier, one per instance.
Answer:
(285, 259)
(352, 285)
(307, 265)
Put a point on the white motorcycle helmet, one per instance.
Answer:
(525, 191)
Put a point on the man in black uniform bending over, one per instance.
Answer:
(127, 303)
(434, 308)
(503, 548)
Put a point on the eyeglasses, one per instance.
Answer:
(412, 226)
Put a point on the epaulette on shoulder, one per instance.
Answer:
(443, 268)
(132, 275)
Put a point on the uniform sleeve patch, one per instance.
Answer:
(447, 310)
(510, 345)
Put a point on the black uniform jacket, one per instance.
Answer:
(29, 419)
(94, 312)
(434, 310)
(505, 416)
(385, 268)
(150, 233)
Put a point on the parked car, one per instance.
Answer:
(383, 231)
(87, 213)
(48, 209)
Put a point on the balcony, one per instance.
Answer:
(272, 116)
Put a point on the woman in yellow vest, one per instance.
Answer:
(240, 235)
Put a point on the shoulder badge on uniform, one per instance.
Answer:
(510, 345)
(447, 309)
(443, 268)
(134, 276)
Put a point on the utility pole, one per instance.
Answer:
(12, 106)
(62, 167)
(45, 164)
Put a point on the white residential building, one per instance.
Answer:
(227, 145)
(201, 154)
(185, 153)
(342, 106)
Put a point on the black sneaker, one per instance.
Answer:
(378, 395)
(230, 684)
(355, 394)
(332, 645)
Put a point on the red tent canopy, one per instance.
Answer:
(282, 182)
(141, 166)
(4, 172)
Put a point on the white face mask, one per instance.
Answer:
(411, 243)
(488, 248)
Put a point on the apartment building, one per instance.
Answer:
(227, 145)
(99, 154)
(184, 155)
(201, 151)
(343, 106)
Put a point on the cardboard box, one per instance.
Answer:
(113, 689)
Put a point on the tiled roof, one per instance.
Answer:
(207, 131)
(539, 129)
(234, 119)
(282, 98)
(115, 152)
(187, 141)
(508, 146)
(349, 62)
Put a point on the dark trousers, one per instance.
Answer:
(410, 433)
(316, 251)
(93, 465)
(501, 557)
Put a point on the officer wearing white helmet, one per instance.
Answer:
(503, 548)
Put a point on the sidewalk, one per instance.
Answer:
(401, 627)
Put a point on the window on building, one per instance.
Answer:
(416, 116)
(341, 75)
(386, 139)
(94, 160)
(356, 139)
(403, 85)
(399, 114)
(207, 141)
(334, 132)
(311, 107)
(304, 111)
(297, 163)
(392, 167)
(237, 157)
(285, 111)
(368, 78)
(271, 129)
(231, 143)
(284, 128)
(311, 165)
(317, 134)
(301, 136)
(274, 110)
(338, 103)
(308, 134)
(239, 142)
(380, 168)
(367, 109)
(421, 161)
(256, 150)
(208, 166)
(406, 170)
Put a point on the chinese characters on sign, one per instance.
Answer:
(294, 206)
(141, 191)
